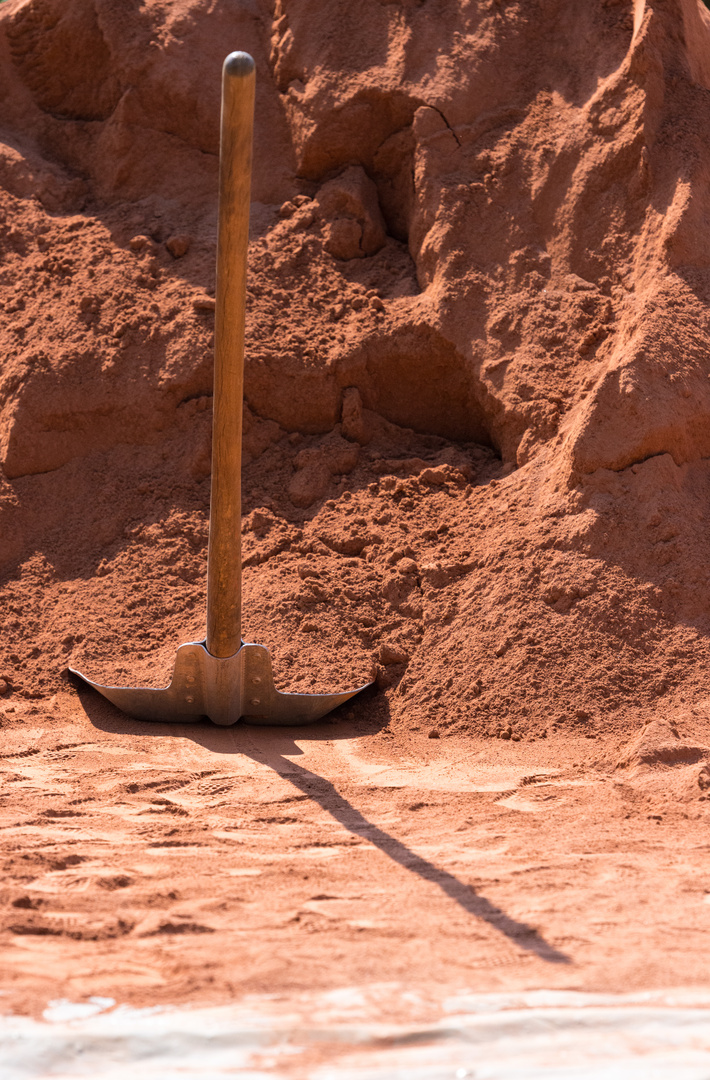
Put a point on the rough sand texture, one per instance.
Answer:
(477, 429)
(162, 864)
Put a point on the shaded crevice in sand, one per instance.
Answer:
(417, 379)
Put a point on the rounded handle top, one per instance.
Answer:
(238, 65)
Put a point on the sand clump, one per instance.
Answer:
(659, 744)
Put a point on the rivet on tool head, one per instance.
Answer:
(256, 680)
(189, 700)
(190, 679)
(255, 701)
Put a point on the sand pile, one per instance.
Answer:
(477, 390)
(476, 467)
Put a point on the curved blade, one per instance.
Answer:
(225, 690)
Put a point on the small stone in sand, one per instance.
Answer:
(178, 245)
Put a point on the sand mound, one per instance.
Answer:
(658, 745)
(477, 448)
(477, 384)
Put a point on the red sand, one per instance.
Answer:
(477, 437)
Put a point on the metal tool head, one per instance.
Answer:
(238, 687)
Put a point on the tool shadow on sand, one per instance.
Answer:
(275, 748)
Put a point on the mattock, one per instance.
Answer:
(222, 677)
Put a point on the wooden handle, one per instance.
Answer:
(224, 559)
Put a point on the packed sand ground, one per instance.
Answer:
(477, 434)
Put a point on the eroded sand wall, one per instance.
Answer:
(478, 268)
